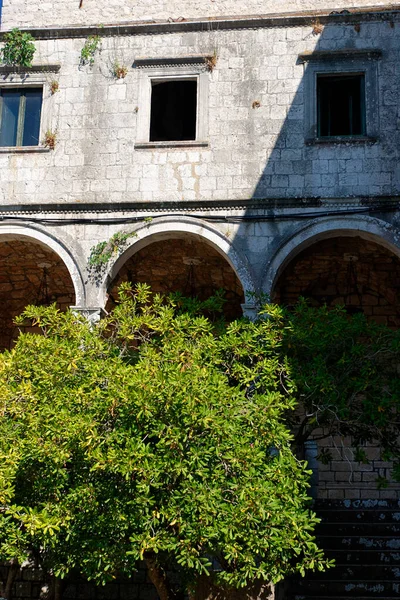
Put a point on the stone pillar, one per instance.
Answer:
(92, 313)
(250, 311)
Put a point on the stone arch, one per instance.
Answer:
(351, 268)
(167, 228)
(34, 269)
(43, 238)
(368, 228)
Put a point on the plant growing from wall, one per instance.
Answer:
(102, 253)
(50, 139)
(18, 49)
(54, 86)
(88, 52)
(119, 71)
(211, 61)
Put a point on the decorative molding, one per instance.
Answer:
(15, 70)
(165, 207)
(16, 212)
(337, 55)
(184, 61)
(299, 19)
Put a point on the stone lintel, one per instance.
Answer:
(343, 54)
(16, 70)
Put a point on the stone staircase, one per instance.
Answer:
(363, 536)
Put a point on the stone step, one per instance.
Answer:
(360, 528)
(348, 505)
(301, 597)
(350, 589)
(381, 515)
(365, 557)
(357, 573)
(362, 542)
(364, 539)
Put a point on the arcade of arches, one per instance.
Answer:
(361, 275)
(187, 265)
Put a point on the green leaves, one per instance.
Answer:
(18, 49)
(346, 374)
(156, 432)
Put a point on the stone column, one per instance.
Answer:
(92, 313)
(250, 311)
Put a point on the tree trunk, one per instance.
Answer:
(58, 588)
(12, 573)
(158, 578)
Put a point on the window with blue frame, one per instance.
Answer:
(20, 110)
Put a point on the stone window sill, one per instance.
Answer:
(345, 139)
(22, 149)
(178, 144)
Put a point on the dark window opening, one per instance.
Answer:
(173, 110)
(20, 112)
(341, 105)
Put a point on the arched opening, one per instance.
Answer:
(185, 264)
(30, 273)
(359, 274)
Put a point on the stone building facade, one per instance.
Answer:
(270, 188)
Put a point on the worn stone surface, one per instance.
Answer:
(252, 152)
(344, 478)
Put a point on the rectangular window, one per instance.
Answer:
(173, 113)
(20, 111)
(172, 102)
(341, 105)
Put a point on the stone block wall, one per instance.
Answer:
(254, 132)
(344, 477)
(29, 274)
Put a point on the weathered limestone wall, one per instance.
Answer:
(254, 105)
(255, 138)
(344, 477)
(36, 13)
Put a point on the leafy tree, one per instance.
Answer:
(156, 436)
(346, 373)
